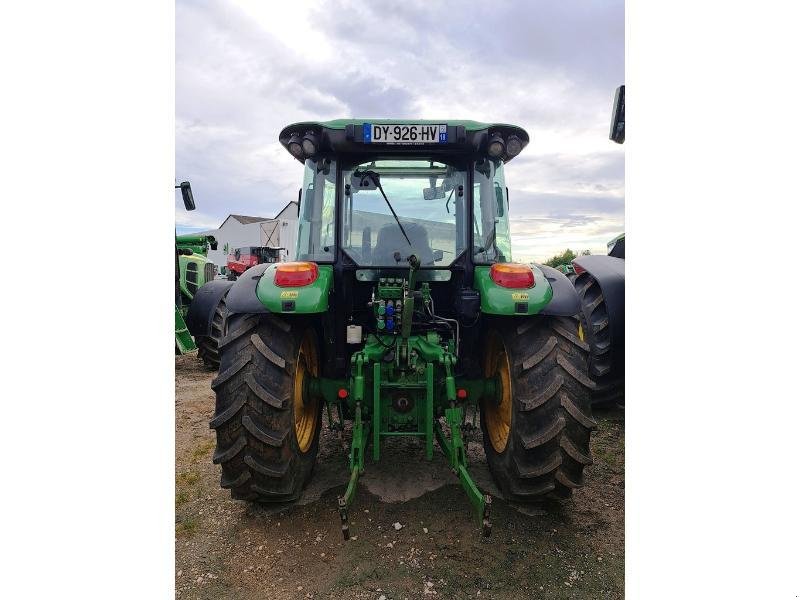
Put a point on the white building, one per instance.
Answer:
(238, 231)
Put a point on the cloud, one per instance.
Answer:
(245, 69)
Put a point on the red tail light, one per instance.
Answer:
(512, 275)
(578, 269)
(296, 274)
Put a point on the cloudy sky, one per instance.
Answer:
(246, 68)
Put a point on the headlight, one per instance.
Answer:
(295, 146)
(514, 146)
(496, 145)
(310, 144)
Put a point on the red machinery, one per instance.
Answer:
(243, 258)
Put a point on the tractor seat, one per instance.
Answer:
(391, 240)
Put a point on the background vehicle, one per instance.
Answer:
(600, 283)
(403, 313)
(195, 268)
(243, 258)
(192, 271)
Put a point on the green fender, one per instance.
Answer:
(497, 300)
(307, 299)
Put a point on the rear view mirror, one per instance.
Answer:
(617, 133)
(364, 180)
(186, 192)
(433, 193)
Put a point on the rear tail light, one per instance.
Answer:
(578, 269)
(296, 274)
(512, 275)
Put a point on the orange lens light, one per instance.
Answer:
(512, 275)
(296, 274)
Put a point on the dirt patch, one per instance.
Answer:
(231, 549)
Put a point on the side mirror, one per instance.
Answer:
(498, 193)
(212, 241)
(617, 133)
(438, 255)
(186, 192)
(308, 208)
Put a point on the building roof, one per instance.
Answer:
(292, 203)
(245, 220)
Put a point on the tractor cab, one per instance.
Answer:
(376, 192)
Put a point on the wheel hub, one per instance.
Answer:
(306, 410)
(497, 409)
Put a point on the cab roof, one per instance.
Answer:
(349, 136)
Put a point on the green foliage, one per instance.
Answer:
(564, 258)
(561, 259)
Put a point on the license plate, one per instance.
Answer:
(404, 134)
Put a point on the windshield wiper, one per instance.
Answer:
(389, 204)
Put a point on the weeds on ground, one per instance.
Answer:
(187, 525)
(202, 450)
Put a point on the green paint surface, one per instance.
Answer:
(200, 262)
(308, 299)
(496, 300)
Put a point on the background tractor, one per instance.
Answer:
(600, 283)
(192, 271)
(403, 312)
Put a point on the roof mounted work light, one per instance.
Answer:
(295, 146)
(496, 145)
(310, 144)
(514, 146)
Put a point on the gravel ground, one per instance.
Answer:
(231, 549)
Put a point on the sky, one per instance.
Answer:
(247, 68)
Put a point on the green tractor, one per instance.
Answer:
(403, 312)
(193, 270)
(566, 269)
(600, 283)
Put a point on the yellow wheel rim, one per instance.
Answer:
(306, 410)
(498, 415)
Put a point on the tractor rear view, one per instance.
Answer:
(403, 313)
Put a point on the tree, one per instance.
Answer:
(561, 259)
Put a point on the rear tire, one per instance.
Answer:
(208, 346)
(536, 437)
(610, 378)
(264, 359)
